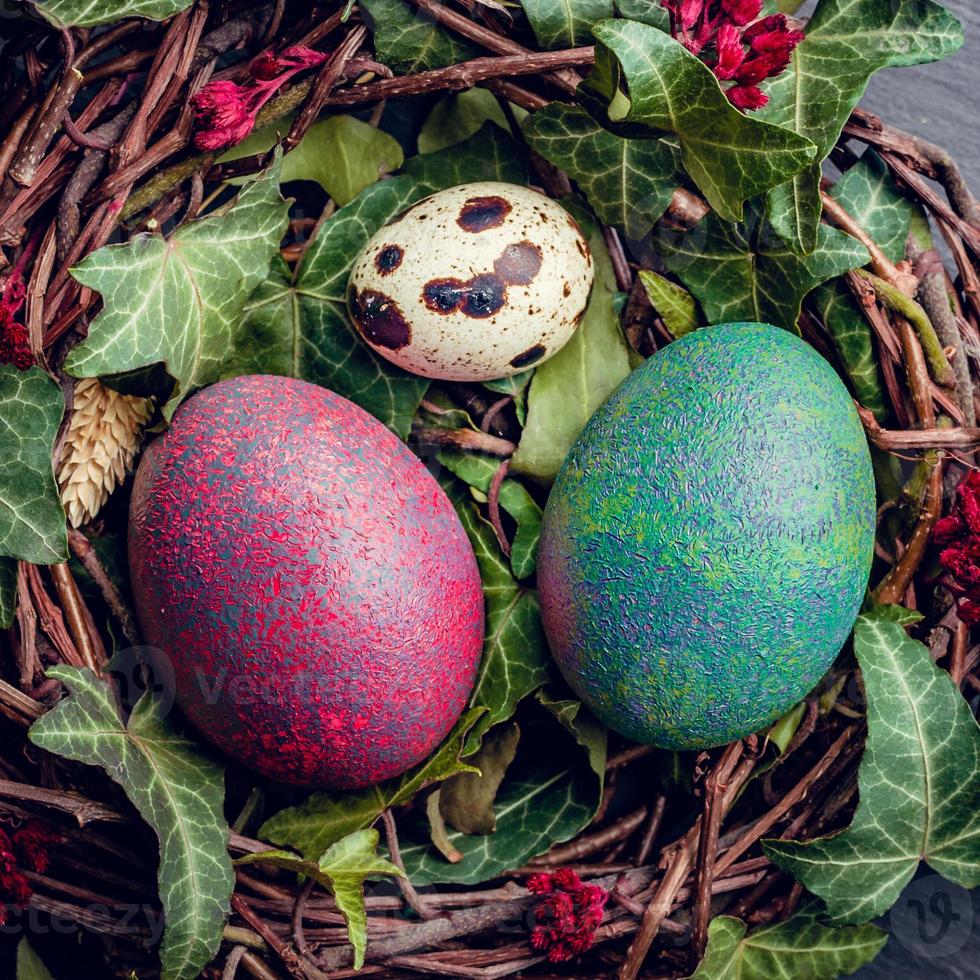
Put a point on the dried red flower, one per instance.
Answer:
(28, 847)
(225, 112)
(568, 915)
(15, 347)
(959, 536)
(738, 47)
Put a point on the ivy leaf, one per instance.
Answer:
(458, 116)
(730, 156)
(570, 386)
(191, 288)
(516, 386)
(919, 785)
(801, 947)
(515, 655)
(478, 471)
(30, 966)
(675, 304)
(8, 591)
(651, 12)
(565, 23)
(846, 42)
(32, 520)
(550, 792)
(628, 182)
(326, 818)
(737, 273)
(871, 197)
(341, 870)
(581, 724)
(850, 332)
(466, 800)
(342, 154)
(177, 791)
(90, 13)
(490, 154)
(407, 40)
(868, 193)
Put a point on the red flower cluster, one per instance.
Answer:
(959, 535)
(224, 112)
(737, 47)
(568, 916)
(19, 849)
(15, 347)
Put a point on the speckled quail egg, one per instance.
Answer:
(475, 282)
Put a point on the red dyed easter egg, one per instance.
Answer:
(309, 581)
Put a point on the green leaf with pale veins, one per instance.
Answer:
(570, 386)
(478, 471)
(32, 520)
(490, 154)
(549, 794)
(342, 154)
(800, 947)
(871, 197)
(738, 274)
(90, 13)
(730, 156)
(628, 182)
(176, 789)
(409, 41)
(177, 301)
(457, 116)
(326, 818)
(675, 305)
(8, 591)
(651, 12)
(846, 42)
(919, 785)
(515, 655)
(341, 870)
(565, 23)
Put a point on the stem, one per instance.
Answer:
(893, 298)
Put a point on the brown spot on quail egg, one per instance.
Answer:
(488, 279)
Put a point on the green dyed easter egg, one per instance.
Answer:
(707, 543)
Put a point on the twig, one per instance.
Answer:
(89, 646)
(493, 505)
(871, 129)
(412, 897)
(481, 442)
(592, 843)
(882, 265)
(651, 830)
(894, 584)
(934, 299)
(82, 549)
(680, 861)
(893, 298)
(297, 964)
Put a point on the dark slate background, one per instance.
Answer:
(934, 929)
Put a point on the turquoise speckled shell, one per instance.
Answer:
(708, 541)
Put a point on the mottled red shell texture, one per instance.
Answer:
(308, 579)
